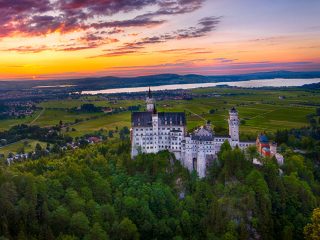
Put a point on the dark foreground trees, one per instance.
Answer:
(99, 192)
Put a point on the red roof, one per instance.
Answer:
(95, 139)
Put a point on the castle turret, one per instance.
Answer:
(273, 149)
(155, 125)
(150, 101)
(234, 125)
(209, 125)
(201, 159)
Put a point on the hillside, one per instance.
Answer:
(108, 82)
(100, 193)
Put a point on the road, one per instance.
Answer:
(37, 117)
(195, 114)
(13, 143)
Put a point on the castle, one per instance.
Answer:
(268, 149)
(153, 131)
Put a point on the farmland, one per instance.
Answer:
(28, 147)
(261, 109)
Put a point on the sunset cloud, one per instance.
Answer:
(83, 37)
(30, 18)
(207, 25)
(28, 49)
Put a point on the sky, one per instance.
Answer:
(63, 39)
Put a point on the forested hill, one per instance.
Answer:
(101, 193)
(108, 82)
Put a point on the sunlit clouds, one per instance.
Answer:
(57, 39)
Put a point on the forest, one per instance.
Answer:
(99, 192)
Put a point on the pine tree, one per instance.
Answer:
(49, 234)
(243, 233)
(31, 191)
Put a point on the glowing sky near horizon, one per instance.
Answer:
(61, 39)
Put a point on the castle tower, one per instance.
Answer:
(188, 155)
(209, 125)
(150, 101)
(234, 126)
(273, 149)
(155, 129)
(201, 160)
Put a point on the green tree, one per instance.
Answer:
(79, 224)
(60, 220)
(186, 223)
(31, 191)
(97, 233)
(110, 134)
(252, 152)
(38, 147)
(128, 230)
(312, 230)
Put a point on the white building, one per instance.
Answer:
(152, 132)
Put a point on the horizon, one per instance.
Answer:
(73, 39)
(183, 75)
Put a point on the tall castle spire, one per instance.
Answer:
(149, 93)
(155, 111)
(150, 101)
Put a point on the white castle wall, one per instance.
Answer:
(150, 104)
(154, 138)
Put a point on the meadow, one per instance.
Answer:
(261, 109)
(8, 123)
(29, 147)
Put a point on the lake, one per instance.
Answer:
(277, 82)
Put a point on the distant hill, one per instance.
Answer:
(108, 82)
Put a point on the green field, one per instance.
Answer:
(7, 124)
(13, 148)
(71, 103)
(106, 123)
(260, 108)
